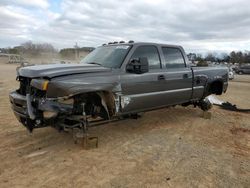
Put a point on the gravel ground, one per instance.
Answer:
(173, 147)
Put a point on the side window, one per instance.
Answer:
(149, 52)
(173, 57)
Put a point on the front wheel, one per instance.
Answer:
(240, 72)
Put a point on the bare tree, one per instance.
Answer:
(36, 49)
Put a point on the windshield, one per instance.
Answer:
(107, 56)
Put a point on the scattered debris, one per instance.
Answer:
(36, 154)
(214, 100)
(225, 105)
(232, 107)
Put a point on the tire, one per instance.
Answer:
(240, 72)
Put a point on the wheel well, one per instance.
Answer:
(108, 101)
(216, 87)
(103, 100)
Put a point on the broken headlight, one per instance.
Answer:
(40, 84)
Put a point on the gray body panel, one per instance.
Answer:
(83, 83)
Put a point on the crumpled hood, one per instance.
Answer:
(54, 70)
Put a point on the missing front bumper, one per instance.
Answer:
(32, 117)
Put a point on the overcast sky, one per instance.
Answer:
(198, 25)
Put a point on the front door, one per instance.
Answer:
(143, 91)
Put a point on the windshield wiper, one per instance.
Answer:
(95, 63)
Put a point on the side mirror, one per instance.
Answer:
(138, 66)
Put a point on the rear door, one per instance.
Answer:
(178, 76)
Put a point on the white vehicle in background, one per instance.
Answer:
(230, 73)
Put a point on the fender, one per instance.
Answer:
(78, 84)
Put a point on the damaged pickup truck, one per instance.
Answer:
(114, 81)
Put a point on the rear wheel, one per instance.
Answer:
(240, 72)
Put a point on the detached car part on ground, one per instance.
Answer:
(114, 81)
(226, 105)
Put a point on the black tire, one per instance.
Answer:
(240, 72)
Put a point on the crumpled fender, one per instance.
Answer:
(70, 87)
(60, 89)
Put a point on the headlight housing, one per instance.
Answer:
(41, 84)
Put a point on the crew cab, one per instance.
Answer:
(113, 81)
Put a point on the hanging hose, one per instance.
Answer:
(226, 105)
(231, 107)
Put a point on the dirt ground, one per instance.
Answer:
(172, 147)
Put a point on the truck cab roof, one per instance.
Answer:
(142, 44)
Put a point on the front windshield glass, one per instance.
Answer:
(107, 56)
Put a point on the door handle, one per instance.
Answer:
(161, 77)
(185, 76)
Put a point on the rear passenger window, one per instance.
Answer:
(173, 58)
(149, 52)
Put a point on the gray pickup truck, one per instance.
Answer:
(114, 81)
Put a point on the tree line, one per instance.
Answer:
(233, 57)
(30, 48)
(38, 49)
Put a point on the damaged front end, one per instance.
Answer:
(33, 109)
